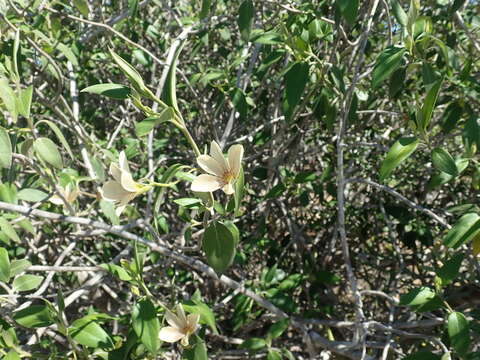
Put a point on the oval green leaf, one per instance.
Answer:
(219, 246)
(88, 333)
(5, 149)
(458, 332)
(388, 61)
(27, 282)
(463, 231)
(444, 162)
(4, 265)
(146, 324)
(34, 316)
(398, 153)
(114, 91)
(48, 152)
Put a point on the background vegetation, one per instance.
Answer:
(355, 235)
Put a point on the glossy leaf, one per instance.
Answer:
(444, 162)
(388, 61)
(245, 18)
(466, 228)
(146, 324)
(399, 13)
(398, 153)
(253, 344)
(219, 246)
(296, 80)
(458, 332)
(449, 271)
(114, 91)
(87, 332)
(34, 316)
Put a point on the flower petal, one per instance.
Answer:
(123, 162)
(115, 171)
(173, 320)
(192, 321)
(181, 315)
(217, 154)
(128, 183)
(228, 189)
(206, 183)
(55, 199)
(210, 165)
(170, 334)
(113, 191)
(119, 209)
(235, 156)
(184, 341)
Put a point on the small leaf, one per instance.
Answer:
(87, 332)
(59, 135)
(245, 18)
(296, 80)
(5, 269)
(253, 344)
(466, 228)
(449, 271)
(444, 162)
(274, 355)
(399, 13)
(418, 296)
(114, 91)
(9, 99)
(239, 191)
(5, 149)
(276, 191)
(458, 332)
(32, 195)
(277, 329)
(8, 230)
(82, 6)
(48, 152)
(425, 115)
(12, 355)
(19, 266)
(388, 61)
(145, 126)
(398, 153)
(117, 271)
(25, 101)
(34, 316)
(131, 73)
(188, 202)
(146, 324)
(27, 282)
(206, 5)
(219, 246)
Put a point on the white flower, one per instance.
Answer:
(123, 188)
(222, 172)
(181, 326)
(69, 192)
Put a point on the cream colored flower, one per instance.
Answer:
(69, 192)
(181, 326)
(222, 172)
(123, 188)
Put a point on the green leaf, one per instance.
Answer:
(166, 178)
(399, 13)
(239, 191)
(25, 101)
(108, 209)
(219, 246)
(458, 332)
(5, 269)
(48, 152)
(143, 127)
(87, 332)
(82, 6)
(276, 191)
(169, 95)
(349, 10)
(277, 329)
(296, 80)
(398, 153)
(19, 266)
(32, 195)
(146, 324)
(425, 114)
(449, 271)
(188, 202)
(59, 135)
(444, 162)
(8, 98)
(12, 355)
(114, 91)
(34, 316)
(117, 271)
(245, 19)
(457, 4)
(5, 149)
(131, 73)
(463, 231)
(200, 350)
(274, 355)
(388, 61)
(27, 282)
(205, 10)
(8, 230)
(417, 296)
(253, 344)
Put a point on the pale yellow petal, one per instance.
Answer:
(192, 321)
(235, 156)
(228, 189)
(173, 320)
(113, 191)
(115, 171)
(206, 183)
(170, 334)
(129, 196)
(184, 341)
(210, 165)
(128, 183)
(123, 162)
(181, 315)
(119, 209)
(217, 154)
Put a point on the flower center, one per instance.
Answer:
(228, 177)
